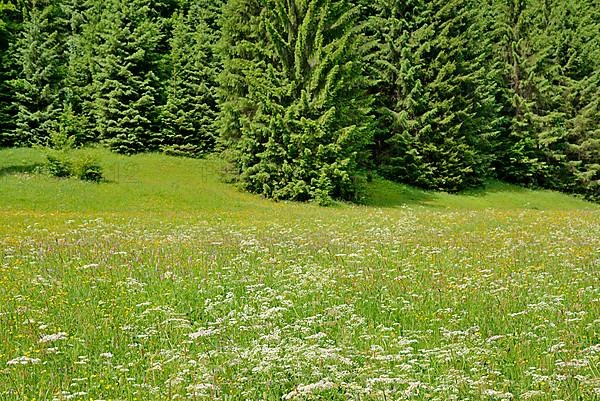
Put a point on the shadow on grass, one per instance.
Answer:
(388, 194)
(22, 169)
(383, 193)
(493, 187)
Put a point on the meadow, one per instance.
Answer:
(165, 283)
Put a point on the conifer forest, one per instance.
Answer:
(310, 98)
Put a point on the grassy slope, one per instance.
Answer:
(483, 296)
(155, 183)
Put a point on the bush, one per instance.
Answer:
(59, 165)
(87, 168)
(61, 141)
(62, 164)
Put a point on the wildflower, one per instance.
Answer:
(308, 389)
(53, 337)
(202, 333)
(23, 360)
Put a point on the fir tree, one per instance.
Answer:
(82, 19)
(37, 56)
(572, 30)
(124, 82)
(520, 156)
(436, 104)
(294, 102)
(8, 29)
(549, 50)
(190, 112)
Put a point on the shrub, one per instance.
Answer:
(59, 165)
(87, 168)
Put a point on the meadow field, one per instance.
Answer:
(165, 283)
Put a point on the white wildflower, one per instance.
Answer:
(202, 333)
(23, 360)
(308, 389)
(53, 337)
(497, 395)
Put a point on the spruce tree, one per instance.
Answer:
(518, 26)
(436, 109)
(572, 29)
(8, 28)
(124, 82)
(82, 20)
(549, 52)
(37, 86)
(294, 107)
(190, 111)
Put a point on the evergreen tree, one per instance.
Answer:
(549, 50)
(37, 87)
(190, 112)
(294, 106)
(572, 29)
(124, 81)
(520, 155)
(8, 28)
(436, 103)
(82, 20)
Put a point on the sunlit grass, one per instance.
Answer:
(166, 283)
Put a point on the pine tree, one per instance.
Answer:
(294, 105)
(572, 29)
(549, 50)
(81, 43)
(8, 28)
(124, 82)
(37, 87)
(190, 112)
(520, 155)
(436, 108)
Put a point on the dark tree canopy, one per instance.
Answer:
(306, 98)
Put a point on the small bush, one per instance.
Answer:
(61, 141)
(64, 164)
(87, 168)
(59, 165)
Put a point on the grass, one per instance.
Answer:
(165, 283)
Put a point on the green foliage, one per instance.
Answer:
(87, 168)
(436, 112)
(294, 107)
(37, 56)
(61, 141)
(190, 111)
(59, 165)
(82, 42)
(306, 96)
(8, 26)
(125, 84)
(550, 56)
(187, 150)
(63, 162)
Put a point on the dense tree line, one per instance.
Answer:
(309, 97)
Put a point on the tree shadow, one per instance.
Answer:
(388, 194)
(493, 187)
(22, 169)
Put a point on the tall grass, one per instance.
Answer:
(165, 283)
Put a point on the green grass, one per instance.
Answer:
(165, 283)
